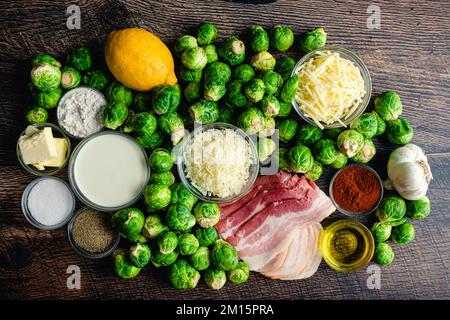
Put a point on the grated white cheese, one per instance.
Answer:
(217, 162)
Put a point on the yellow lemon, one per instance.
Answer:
(139, 59)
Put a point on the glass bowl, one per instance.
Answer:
(358, 62)
(253, 170)
(57, 133)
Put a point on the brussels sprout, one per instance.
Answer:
(392, 210)
(36, 115)
(384, 254)
(239, 274)
(206, 236)
(137, 238)
(187, 75)
(164, 260)
(224, 256)
(326, 152)
(284, 67)
(313, 40)
(272, 81)
(45, 77)
(285, 109)
(244, 72)
(206, 214)
(142, 102)
(181, 195)
(156, 197)
(265, 148)
(350, 142)
(204, 111)
(366, 153)
(117, 92)
(140, 255)
(399, 131)
(114, 115)
(235, 96)
(263, 61)
(211, 53)
(166, 98)
(160, 160)
(167, 242)
(207, 33)
(366, 124)
(287, 129)
(70, 78)
(289, 89)
(300, 159)
(251, 121)
(127, 126)
(179, 218)
(187, 244)
(254, 90)
(41, 57)
(381, 231)
(183, 276)
(388, 105)
(80, 59)
(269, 127)
(259, 39)
(153, 227)
(283, 162)
(403, 234)
(200, 259)
(308, 134)
(226, 114)
(341, 161)
(172, 124)
(96, 79)
(48, 100)
(144, 123)
(122, 265)
(215, 278)
(381, 125)
(233, 51)
(194, 58)
(128, 221)
(164, 178)
(150, 141)
(281, 38)
(185, 42)
(315, 172)
(332, 134)
(418, 209)
(214, 89)
(270, 106)
(219, 71)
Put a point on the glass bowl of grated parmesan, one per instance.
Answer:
(218, 162)
(334, 87)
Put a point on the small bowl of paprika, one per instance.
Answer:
(356, 190)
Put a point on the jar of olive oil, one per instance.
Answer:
(347, 245)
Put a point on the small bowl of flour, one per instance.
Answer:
(80, 112)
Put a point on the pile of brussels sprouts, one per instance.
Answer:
(177, 233)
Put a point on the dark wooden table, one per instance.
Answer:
(410, 53)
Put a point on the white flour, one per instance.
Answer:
(80, 111)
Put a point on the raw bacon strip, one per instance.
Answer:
(276, 262)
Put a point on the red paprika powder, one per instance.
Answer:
(356, 189)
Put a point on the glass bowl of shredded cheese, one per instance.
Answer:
(218, 162)
(334, 87)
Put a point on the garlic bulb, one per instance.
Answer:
(409, 172)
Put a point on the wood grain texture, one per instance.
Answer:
(409, 54)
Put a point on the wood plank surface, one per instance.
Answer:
(410, 53)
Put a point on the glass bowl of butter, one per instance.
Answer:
(43, 149)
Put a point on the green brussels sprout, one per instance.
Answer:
(284, 67)
(384, 254)
(207, 33)
(156, 197)
(251, 121)
(235, 96)
(308, 134)
(150, 141)
(244, 72)
(80, 59)
(167, 242)
(381, 125)
(381, 231)
(388, 106)
(399, 131)
(239, 274)
(315, 172)
(142, 102)
(285, 109)
(188, 75)
(128, 221)
(265, 148)
(45, 77)
(183, 276)
(140, 255)
(185, 42)
(187, 244)
(218, 71)
(181, 195)
(392, 210)
(206, 236)
(153, 227)
(300, 159)
(263, 61)
(172, 124)
(403, 234)
(42, 57)
(233, 51)
(114, 115)
(165, 178)
(166, 98)
(127, 126)
(200, 259)
(313, 40)
(366, 153)
(36, 115)
(179, 218)
(418, 209)
(192, 91)
(70, 78)
(269, 127)
(289, 89)
(332, 134)
(211, 53)
(96, 79)
(259, 39)
(122, 265)
(137, 238)
(214, 89)
(254, 90)
(194, 58)
(224, 256)
(117, 92)
(341, 161)
(270, 106)
(281, 38)
(326, 152)
(215, 278)
(350, 142)
(164, 260)
(366, 124)
(206, 214)
(272, 81)
(160, 160)
(204, 111)
(48, 100)
(281, 157)
(226, 114)
(144, 123)
(287, 129)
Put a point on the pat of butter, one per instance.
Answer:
(38, 147)
(61, 151)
